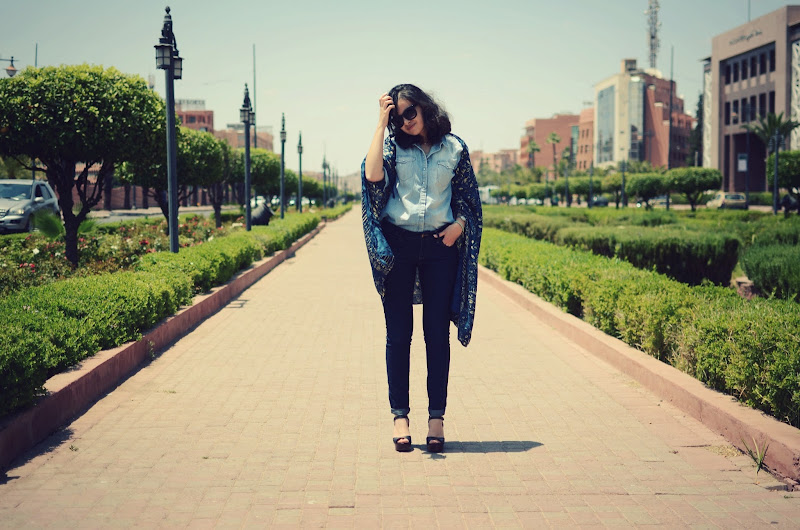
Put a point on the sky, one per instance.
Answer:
(324, 64)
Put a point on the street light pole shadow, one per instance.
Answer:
(501, 446)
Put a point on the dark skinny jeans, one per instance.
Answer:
(436, 264)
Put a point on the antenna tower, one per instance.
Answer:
(653, 24)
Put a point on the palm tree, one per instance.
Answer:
(533, 148)
(766, 128)
(554, 139)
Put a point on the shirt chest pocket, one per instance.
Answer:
(445, 169)
(405, 169)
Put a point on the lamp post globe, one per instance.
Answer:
(11, 71)
(169, 60)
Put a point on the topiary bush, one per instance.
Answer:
(774, 269)
(748, 349)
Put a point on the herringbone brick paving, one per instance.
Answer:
(273, 412)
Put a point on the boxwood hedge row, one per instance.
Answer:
(748, 349)
(50, 328)
(774, 269)
(687, 256)
(653, 243)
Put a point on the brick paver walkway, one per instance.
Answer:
(274, 412)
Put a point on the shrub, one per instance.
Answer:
(48, 328)
(746, 348)
(774, 269)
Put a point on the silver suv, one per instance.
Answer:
(20, 199)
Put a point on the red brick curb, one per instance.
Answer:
(71, 392)
(717, 411)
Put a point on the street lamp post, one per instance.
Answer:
(324, 174)
(247, 115)
(300, 173)
(10, 70)
(283, 143)
(168, 59)
(591, 191)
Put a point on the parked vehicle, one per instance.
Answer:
(731, 201)
(20, 199)
(599, 200)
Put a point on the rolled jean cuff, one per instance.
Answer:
(401, 412)
(437, 413)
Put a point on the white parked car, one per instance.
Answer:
(20, 199)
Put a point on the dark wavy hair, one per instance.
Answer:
(435, 118)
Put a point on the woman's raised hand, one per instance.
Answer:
(386, 105)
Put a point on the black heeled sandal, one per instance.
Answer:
(402, 447)
(435, 444)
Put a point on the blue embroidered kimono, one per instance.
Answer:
(465, 202)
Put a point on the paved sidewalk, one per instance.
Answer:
(273, 412)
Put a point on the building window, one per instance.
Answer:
(735, 112)
(762, 105)
(772, 102)
(752, 109)
(744, 69)
(772, 60)
(727, 113)
(191, 119)
(727, 74)
(762, 62)
(753, 66)
(735, 72)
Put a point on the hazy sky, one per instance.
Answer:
(324, 63)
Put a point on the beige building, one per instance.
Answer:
(633, 121)
(496, 162)
(754, 69)
(234, 134)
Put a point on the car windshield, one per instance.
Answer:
(736, 196)
(15, 191)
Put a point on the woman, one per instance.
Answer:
(422, 224)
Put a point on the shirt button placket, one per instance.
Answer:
(422, 193)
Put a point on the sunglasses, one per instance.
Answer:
(409, 114)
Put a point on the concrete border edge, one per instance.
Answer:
(719, 412)
(72, 392)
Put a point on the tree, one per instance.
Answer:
(580, 186)
(646, 186)
(200, 162)
(788, 173)
(13, 168)
(696, 136)
(554, 139)
(533, 148)
(77, 117)
(766, 127)
(693, 182)
(216, 191)
(265, 171)
(612, 183)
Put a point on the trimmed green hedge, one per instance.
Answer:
(748, 349)
(774, 269)
(50, 328)
(648, 240)
(689, 257)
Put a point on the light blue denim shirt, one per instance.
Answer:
(422, 201)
